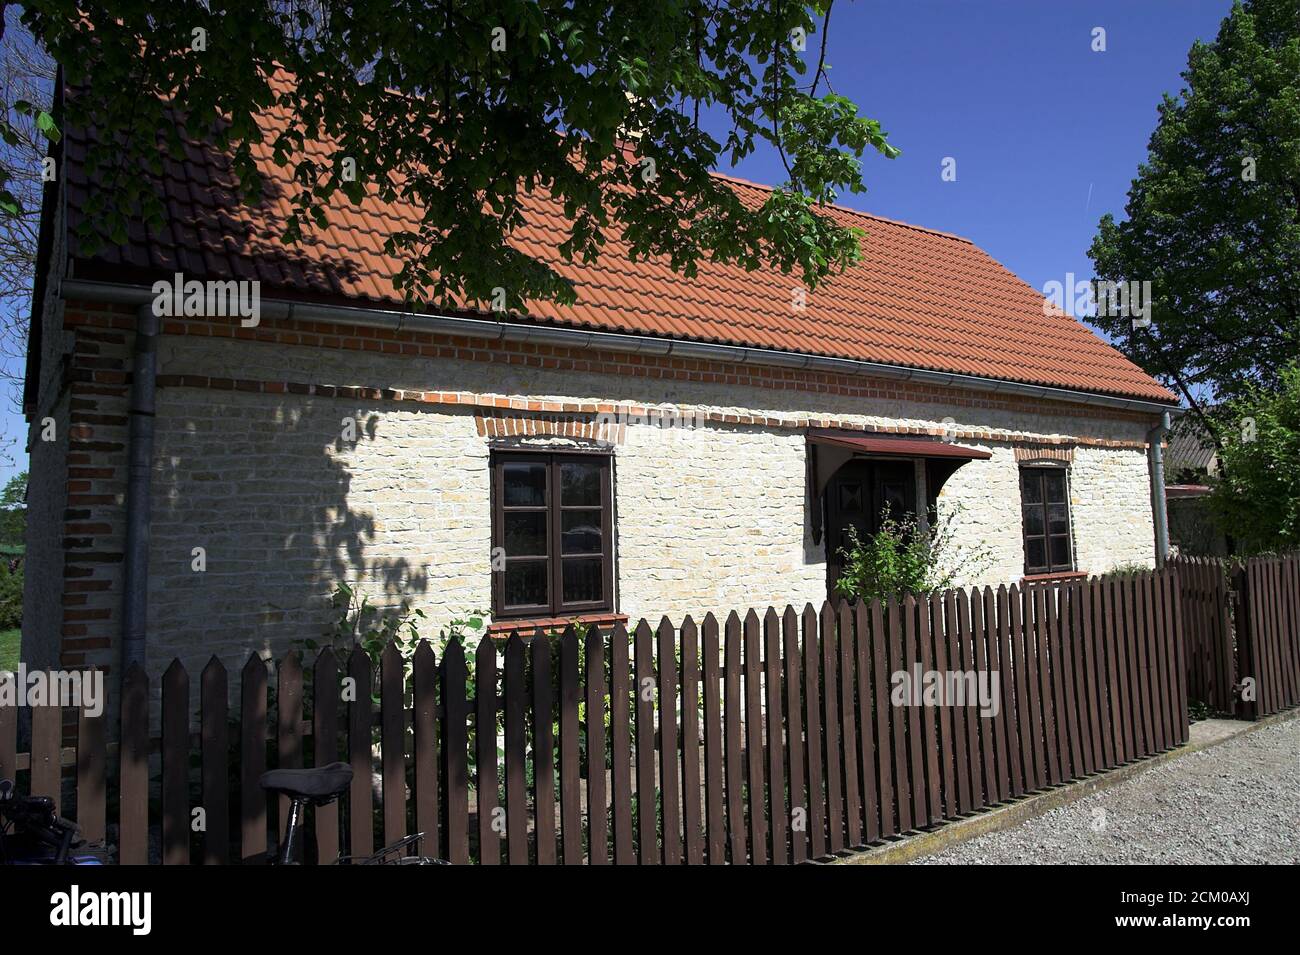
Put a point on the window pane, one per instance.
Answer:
(580, 483)
(523, 484)
(1061, 553)
(1058, 519)
(525, 583)
(1034, 521)
(1035, 554)
(582, 579)
(1031, 487)
(580, 532)
(525, 533)
(1056, 485)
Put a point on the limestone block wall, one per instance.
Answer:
(297, 457)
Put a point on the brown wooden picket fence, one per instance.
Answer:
(1208, 632)
(1242, 633)
(772, 739)
(1268, 632)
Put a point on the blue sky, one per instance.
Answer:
(1046, 133)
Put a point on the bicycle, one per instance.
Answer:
(320, 787)
(32, 833)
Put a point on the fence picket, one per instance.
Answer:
(776, 748)
(734, 759)
(252, 759)
(175, 765)
(647, 801)
(514, 704)
(831, 729)
(756, 789)
(669, 756)
(692, 777)
(8, 728)
(715, 824)
(1008, 668)
(455, 764)
(392, 730)
(940, 728)
(866, 717)
(971, 770)
(813, 735)
(902, 775)
(325, 739)
(621, 746)
(849, 728)
(487, 787)
(570, 746)
(424, 742)
(540, 715)
(361, 823)
(133, 772)
(597, 804)
(980, 640)
(92, 779)
(1048, 664)
(794, 733)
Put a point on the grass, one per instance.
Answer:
(9, 640)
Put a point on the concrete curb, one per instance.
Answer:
(909, 848)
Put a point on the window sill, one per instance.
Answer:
(503, 628)
(1052, 578)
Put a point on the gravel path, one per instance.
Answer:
(1237, 802)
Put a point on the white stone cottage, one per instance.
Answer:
(667, 446)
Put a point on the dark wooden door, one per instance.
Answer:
(857, 496)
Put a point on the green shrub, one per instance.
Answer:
(904, 558)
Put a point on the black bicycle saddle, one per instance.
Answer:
(323, 783)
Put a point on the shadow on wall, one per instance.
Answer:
(260, 511)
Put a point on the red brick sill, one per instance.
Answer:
(503, 628)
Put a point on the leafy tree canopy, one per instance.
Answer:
(1258, 498)
(1213, 218)
(13, 511)
(462, 108)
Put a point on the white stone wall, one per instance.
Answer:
(708, 519)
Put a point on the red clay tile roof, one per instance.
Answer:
(918, 298)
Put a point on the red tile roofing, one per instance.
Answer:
(918, 298)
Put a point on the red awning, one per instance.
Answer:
(894, 445)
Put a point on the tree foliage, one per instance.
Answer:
(1213, 218)
(1257, 500)
(463, 108)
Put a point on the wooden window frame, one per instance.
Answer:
(1040, 473)
(554, 510)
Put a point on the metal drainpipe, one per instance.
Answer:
(144, 372)
(1155, 438)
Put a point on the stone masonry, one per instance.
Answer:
(252, 466)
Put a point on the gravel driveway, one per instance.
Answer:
(1237, 802)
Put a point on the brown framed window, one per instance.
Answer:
(1045, 506)
(552, 520)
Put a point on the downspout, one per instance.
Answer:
(1155, 441)
(144, 376)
